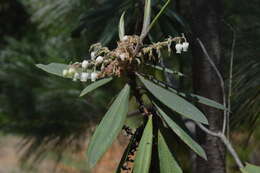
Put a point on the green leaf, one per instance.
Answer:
(121, 26)
(134, 121)
(166, 69)
(173, 15)
(167, 161)
(159, 14)
(95, 85)
(200, 99)
(174, 102)
(109, 127)
(147, 18)
(195, 98)
(144, 151)
(182, 134)
(109, 32)
(53, 68)
(203, 100)
(249, 168)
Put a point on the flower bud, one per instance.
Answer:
(85, 64)
(93, 55)
(125, 38)
(71, 71)
(84, 77)
(99, 59)
(93, 76)
(185, 46)
(122, 56)
(138, 61)
(76, 77)
(178, 48)
(64, 73)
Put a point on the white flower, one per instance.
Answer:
(76, 77)
(122, 56)
(84, 77)
(178, 48)
(99, 59)
(185, 46)
(65, 73)
(71, 71)
(125, 38)
(85, 64)
(93, 55)
(93, 76)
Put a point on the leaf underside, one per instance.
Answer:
(249, 168)
(192, 97)
(53, 68)
(144, 150)
(95, 85)
(134, 121)
(165, 69)
(166, 160)
(182, 134)
(174, 102)
(109, 127)
(121, 26)
(147, 18)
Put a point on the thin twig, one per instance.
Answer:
(231, 150)
(220, 135)
(225, 141)
(230, 75)
(206, 130)
(221, 83)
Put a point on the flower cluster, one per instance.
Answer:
(77, 71)
(182, 46)
(126, 57)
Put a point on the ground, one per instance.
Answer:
(10, 154)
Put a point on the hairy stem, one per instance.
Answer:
(137, 94)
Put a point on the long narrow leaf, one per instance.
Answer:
(134, 121)
(144, 152)
(53, 68)
(182, 134)
(174, 102)
(203, 100)
(173, 15)
(249, 168)
(95, 85)
(109, 32)
(109, 127)
(121, 26)
(147, 18)
(159, 14)
(200, 99)
(167, 161)
(166, 69)
(195, 98)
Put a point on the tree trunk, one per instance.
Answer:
(206, 27)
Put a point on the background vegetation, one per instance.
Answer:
(47, 112)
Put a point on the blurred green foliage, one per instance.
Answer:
(47, 110)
